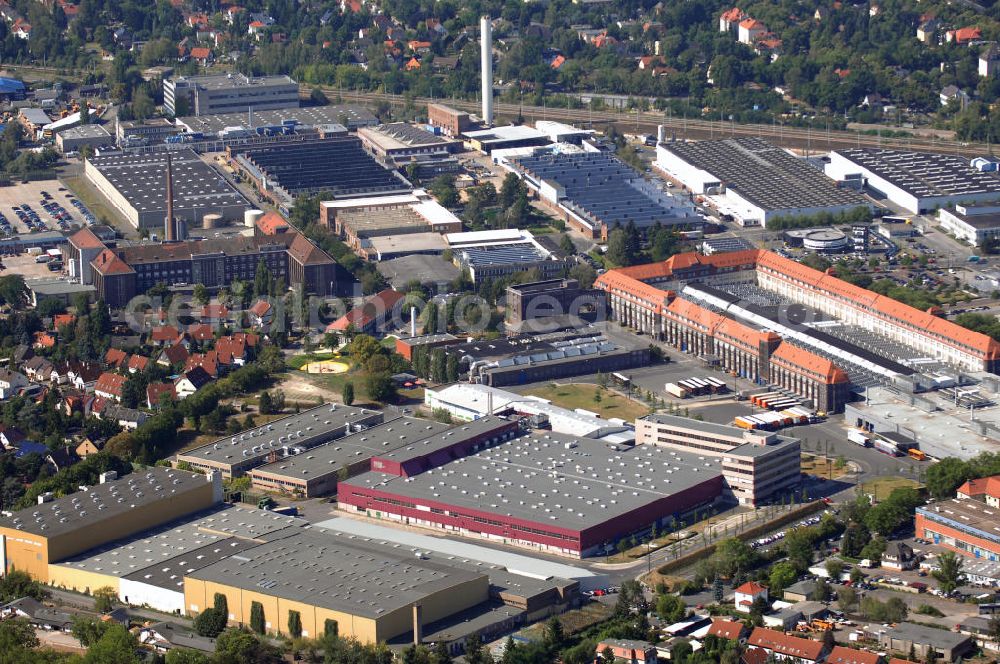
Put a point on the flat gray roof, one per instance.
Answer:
(103, 502)
(306, 429)
(445, 439)
(316, 567)
(698, 425)
(941, 638)
(57, 287)
(556, 479)
(923, 174)
(331, 457)
(182, 544)
(85, 131)
(227, 81)
(142, 179)
(311, 116)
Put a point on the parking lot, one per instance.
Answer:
(26, 266)
(39, 206)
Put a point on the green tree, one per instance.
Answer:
(201, 294)
(847, 598)
(380, 387)
(943, 477)
(347, 393)
(210, 622)
(88, 630)
(257, 622)
(237, 646)
(949, 574)
(566, 245)
(116, 646)
(670, 608)
(443, 189)
(618, 249)
(834, 568)
(104, 599)
(294, 624)
(782, 575)
(186, 656)
(330, 627)
(554, 636)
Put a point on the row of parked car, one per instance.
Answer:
(780, 535)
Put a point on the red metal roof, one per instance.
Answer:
(783, 644)
(842, 655)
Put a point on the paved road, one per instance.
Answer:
(816, 140)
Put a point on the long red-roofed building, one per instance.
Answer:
(649, 299)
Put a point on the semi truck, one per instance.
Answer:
(675, 390)
(885, 447)
(859, 437)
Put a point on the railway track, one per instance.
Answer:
(647, 121)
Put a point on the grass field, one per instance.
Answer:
(572, 622)
(881, 487)
(579, 395)
(820, 466)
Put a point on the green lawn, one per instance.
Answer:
(881, 487)
(580, 395)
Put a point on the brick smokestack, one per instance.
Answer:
(169, 228)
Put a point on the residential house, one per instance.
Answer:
(173, 356)
(109, 386)
(750, 30)
(372, 315)
(11, 437)
(37, 368)
(21, 29)
(989, 61)
(164, 637)
(629, 651)
(61, 457)
(747, 594)
(899, 556)
(37, 614)
(83, 375)
(952, 93)
(11, 382)
(26, 447)
(927, 31)
(202, 55)
(127, 418)
(156, 392)
(963, 35)
(261, 315)
(88, 447)
(842, 655)
(165, 335)
(61, 320)
(731, 630)
(730, 19)
(214, 314)
(44, 340)
(190, 382)
(115, 359)
(786, 647)
(985, 490)
(137, 363)
(201, 332)
(208, 362)
(800, 591)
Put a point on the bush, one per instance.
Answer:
(928, 610)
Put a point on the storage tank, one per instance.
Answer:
(250, 217)
(211, 220)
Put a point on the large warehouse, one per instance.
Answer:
(594, 192)
(234, 456)
(251, 120)
(546, 491)
(136, 185)
(162, 539)
(227, 93)
(705, 305)
(338, 165)
(756, 181)
(916, 181)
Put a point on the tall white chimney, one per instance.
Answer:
(486, 37)
(413, 321)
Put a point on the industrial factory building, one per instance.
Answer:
(227, 93)
(315, 471)
(756, 181)
(594, 192)
(234, 456)
(546, 491)
(134, 185)
(702, 305)
(916, 181)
